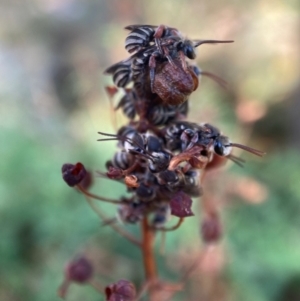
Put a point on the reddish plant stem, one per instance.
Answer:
(115, 227)
(176, 226)
(148, 235)
(97, 197)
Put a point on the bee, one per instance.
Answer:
(161, 215)
(130, 69)
(163, 114)
(158, 158)
(222, 146)
(132, 212)
(168, 40)
(146, 146)
(122, 160)
(191, 183)
(174, 134)
(159, 114)
(128, 104)
(145, 193)
(142, 36)
(176, 180)
(183, 136)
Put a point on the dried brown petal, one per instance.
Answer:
(181, 205)
(111, 90)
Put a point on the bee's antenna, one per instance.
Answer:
(248, 149)
(129, 140)
(239, 161)
(215, 78)
(200, 42)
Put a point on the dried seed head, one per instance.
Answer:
(123, 290)
(73, 174)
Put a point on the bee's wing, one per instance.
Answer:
(121, 72)
(112, 69)
(136, 26)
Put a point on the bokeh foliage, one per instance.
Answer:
(52, 56)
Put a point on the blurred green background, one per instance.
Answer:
(52, 103)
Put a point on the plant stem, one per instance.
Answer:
(115, 227)
(97, 197)
(148, 235)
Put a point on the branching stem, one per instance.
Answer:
(148, 235)
(96, 197)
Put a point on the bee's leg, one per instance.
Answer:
(183, 61)
(194, 140)
(167, 55)
(152, 66)
(158, 35)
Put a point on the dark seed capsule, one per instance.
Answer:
(79, 270)
(73, 174)
(123, 290)
(211, 229)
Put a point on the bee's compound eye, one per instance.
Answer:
(219, 147)
(190, 52)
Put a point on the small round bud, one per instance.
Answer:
(79, 270)
(123, 290)
(73, 174)
(211, 228)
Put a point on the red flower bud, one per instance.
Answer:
(73, 174)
